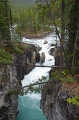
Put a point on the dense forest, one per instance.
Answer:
(38, 19)
(8, 37)
(23, 2)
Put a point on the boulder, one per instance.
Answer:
(45, 42)
(51, 51)
(42, 57)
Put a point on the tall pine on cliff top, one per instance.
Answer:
(73, 41)
(5, 22)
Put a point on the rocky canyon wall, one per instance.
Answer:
(54, 100)
(10, 79)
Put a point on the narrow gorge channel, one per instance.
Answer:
(29, 104)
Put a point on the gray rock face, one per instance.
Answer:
(29, 57)
(10, 79)
(54, 101)
(42, 58)
(51, 52)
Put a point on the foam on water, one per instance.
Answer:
(29, 105)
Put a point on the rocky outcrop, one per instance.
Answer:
(42, 59)
(56, 53)
(10, 79)
(29, 57)
(51, 51)
(54, 100)
(45, 42)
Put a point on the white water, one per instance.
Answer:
(29, 104)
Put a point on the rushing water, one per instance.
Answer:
(29, 105)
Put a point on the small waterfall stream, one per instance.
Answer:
(29, 105)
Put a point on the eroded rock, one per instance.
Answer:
(42, 57)
(54, 101)
(10, 80)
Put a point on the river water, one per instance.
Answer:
(29, 104)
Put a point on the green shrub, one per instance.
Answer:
(68, 79)
(5, 57)
(12, 92)
(73, 100)
(55, 75)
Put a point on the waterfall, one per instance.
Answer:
(29, 105)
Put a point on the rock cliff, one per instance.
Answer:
(29, 57)
(54, 100)
(10, 79)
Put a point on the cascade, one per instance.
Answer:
(29, 104)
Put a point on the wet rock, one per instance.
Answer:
(38, 57)
(42, 57)
(51, 51)
(29, 57)
(45, 42)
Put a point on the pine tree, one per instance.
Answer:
(73, 28)
(5, 22)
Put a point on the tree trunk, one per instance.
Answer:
(62, 35)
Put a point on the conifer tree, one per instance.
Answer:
(73, 33)
(5, 36)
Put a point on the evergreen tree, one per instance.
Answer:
(5, 22)
(73, 34)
